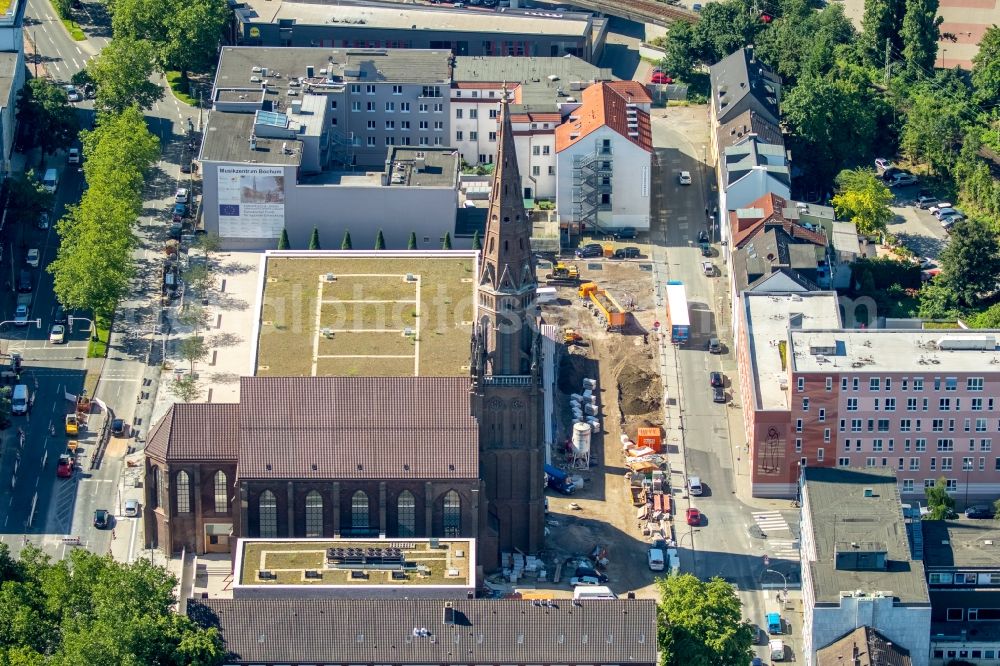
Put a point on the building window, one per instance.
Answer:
(370, 107)
(829, 383)
(944, 404)
(438, 125)
(819, 455)
(314, 515)
(907, 485)
(800, 384)
(856, 425)
(404, 107)
(914, 464)
(869, 462)
(390, 124)
(822, 415)
(359, 510)
(843, 462)
(852, 404)
(552, 171)
(390, 107)
(458, 114)
(406, 514)
(267, 521)
(805, 404)
(355, 106)
(951, 383)
(536, 171)
(873, 384)
(452, 514)
(798, 445)
(911, 404)
(183, 483)
(890, 403)
(920, 445)
(473, 114)
(826, 435)
(158, 488)
(369, 89)
(843, 383)
(493, 137)
(952, 485)
(536, 150)
(397, 90)
(221, 492)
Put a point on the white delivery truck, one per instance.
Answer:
(50, 181)
(19, 400)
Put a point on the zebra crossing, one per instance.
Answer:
(771, 522)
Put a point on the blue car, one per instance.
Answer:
(180, 212)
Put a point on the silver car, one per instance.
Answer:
(131, 508)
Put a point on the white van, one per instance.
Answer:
(593, 592)
(50, 181)
(19, 401)
(694, 485)
(777, 650)
(655, 559)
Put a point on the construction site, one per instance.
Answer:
(618, 495)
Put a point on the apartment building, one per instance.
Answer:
(919, 402)
(604, 154)
(858, 569)
(542, 92)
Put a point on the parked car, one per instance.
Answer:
(182, 196)
(32, 258)
(589, 251)
(979, 511)
(72, 93)
(179, 212)
(102, 519)
(708, 268)
(925, 201)
(714, 346)
(21, 315)
(716, 379)
(882, 164)
(582, 571)
(934, 208)
(175, 229)
(904, 179)
(57, 335)
(627, 253)
(626, 233)
(684, 178)
(131, 508)
(661, 78)
(718, 394)
(693, 516)
(702, 236)
(696, 7)
(942, 211)
(583, 580)
(64, 468)
(118, 427)
(73, 156)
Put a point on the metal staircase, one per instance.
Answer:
(588, 172)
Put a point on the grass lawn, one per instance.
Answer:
(99, 348)
(181, 88)
(74, 29)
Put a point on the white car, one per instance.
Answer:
(32, 258)
(904, 179)
(131, 508)
(182, 196)
(73, 156)
(72, 93)
(57, 335)
(583, 580)
(933, 210)
(684, 178)
(21, 315)
(882, 164)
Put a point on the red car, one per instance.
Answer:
(64, 469)
(693, 516)
(660, 77)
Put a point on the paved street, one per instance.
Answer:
(65, 507)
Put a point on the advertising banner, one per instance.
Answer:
(251, 202)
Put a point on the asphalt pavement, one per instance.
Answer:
(61, 510)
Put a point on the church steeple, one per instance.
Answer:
(507, 270)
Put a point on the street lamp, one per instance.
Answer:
(967, 467)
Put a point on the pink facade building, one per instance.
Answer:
(923, 403)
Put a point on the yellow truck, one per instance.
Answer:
(72, 425)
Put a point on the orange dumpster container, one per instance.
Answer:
(651, 437)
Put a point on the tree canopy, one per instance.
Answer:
(121, 73)
(940, 503)
(47, 118)
(89, 609)
(700, 623)
(986, 68)
(863, 198)
(970, 261)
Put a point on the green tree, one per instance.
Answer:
(833, 124)
(446, 245)
(700, 623)
(986, 68)
(64, 8)
(198, 277)
(345, 244)
(186, 388)
(193, 349)
(937, 301)
(920, 35)
(935, 120)
(940, 503)
(412, 243)
(139, 19)
(283, 243)
(725, 27)
(970, 262)
(380, 241)
(193, 34)
(48, 120)
(477, 244)
(804, 43)
(90, 609)
(881, 21)
(27, 198)
(314, 239)
(863, 198)
(679, 52)
(988, 318)
(122, 72)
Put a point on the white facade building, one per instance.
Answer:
(604, 159)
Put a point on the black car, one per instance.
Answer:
(716, 379)
(627, 253)
(588, 571)
(61, 316)
(979, 511)
(588, 251)
(626, 233)
(702, 236)
(718, 394)
(118, 427)
(102, 519)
